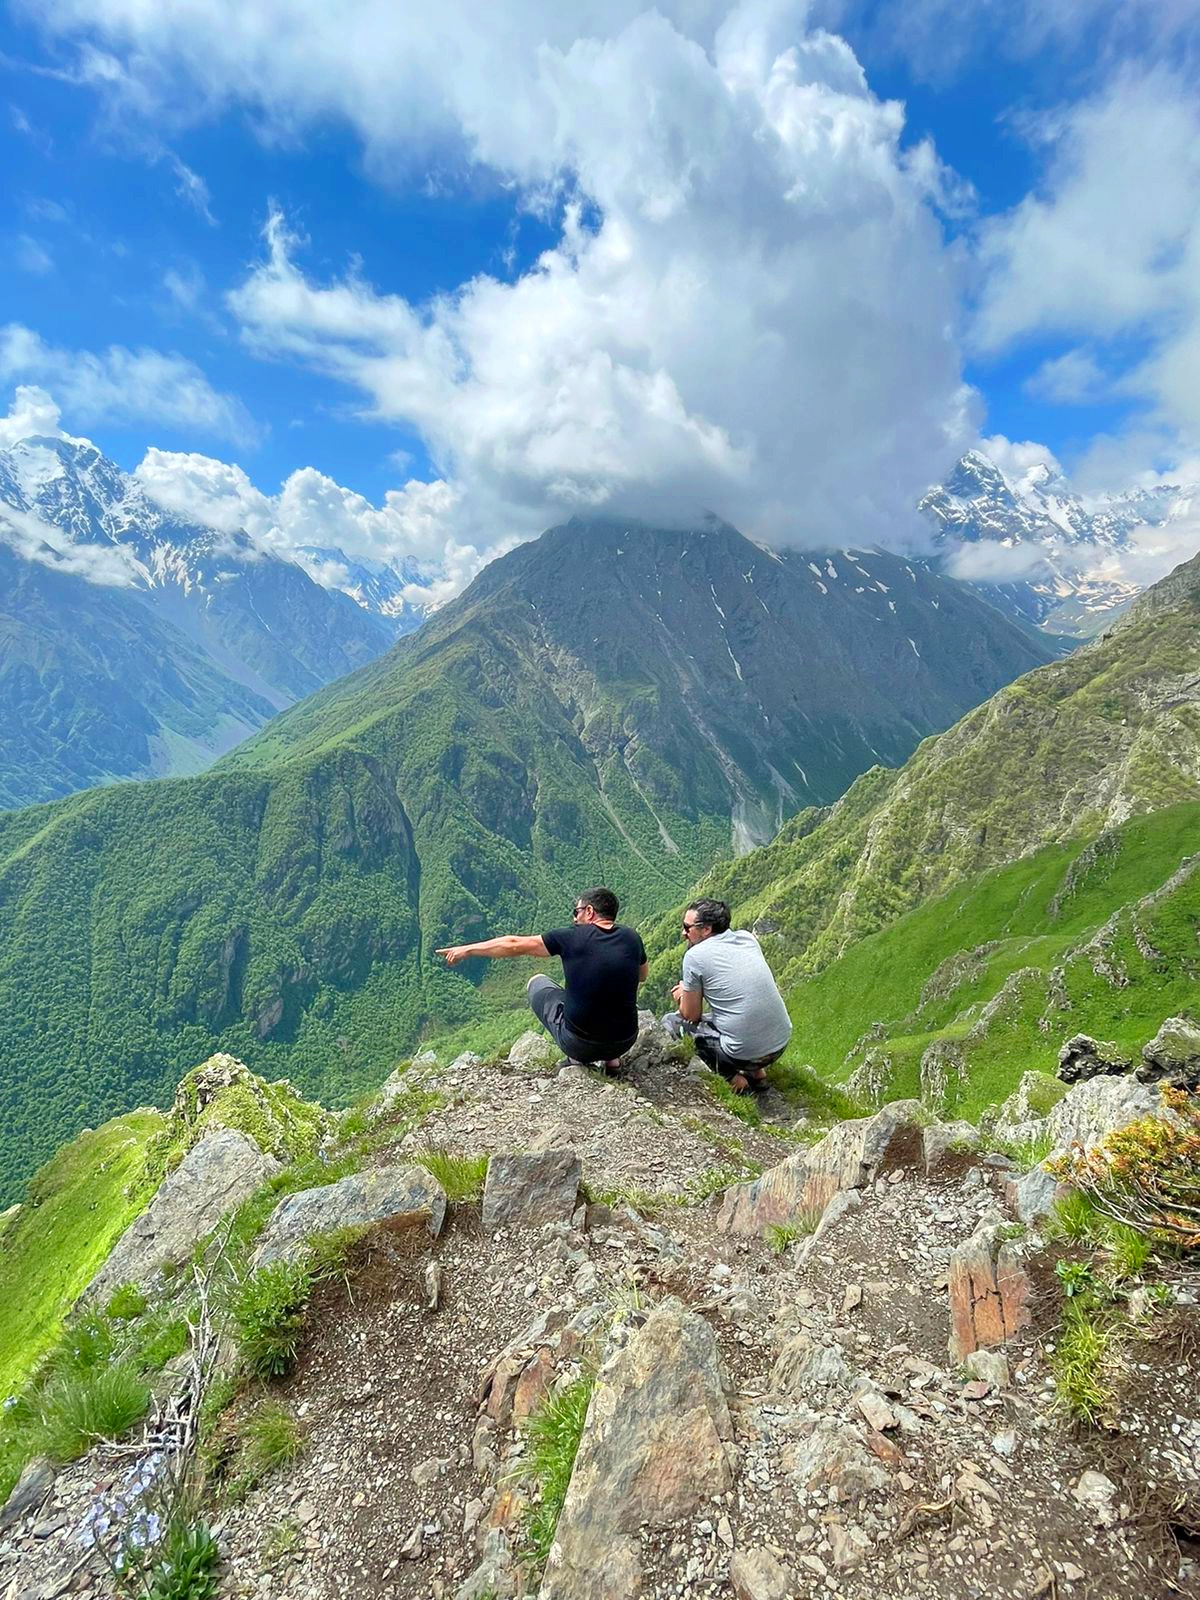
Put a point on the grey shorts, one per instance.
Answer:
(548, 1002)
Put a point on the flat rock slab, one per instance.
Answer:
(221, 1170)
(525, 1191)
(653, 1452)
(398, 1197)
(989, 1289)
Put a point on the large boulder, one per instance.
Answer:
(526, 1191)
(654, 1451)
(1173, 1055)
(399, 1197)
(1097, 1107)
(848, 1157)
(220, 1171)
(989, 1289)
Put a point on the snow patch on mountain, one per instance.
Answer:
(1048, 554)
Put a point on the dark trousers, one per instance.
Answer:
(548, 1002)
(708, 1047)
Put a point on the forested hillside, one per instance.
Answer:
(606, 704)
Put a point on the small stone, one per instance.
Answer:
(1071, 1573)
(1097, 1494)
(433, 1285)
(875, 1409)
(852, 1298)
(755, 1574)
(725, 1532)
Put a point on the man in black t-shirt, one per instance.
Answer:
(594, 1018)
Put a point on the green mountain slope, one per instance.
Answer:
(1063, 753)
(1025, 875)
(608, 704)
(955, 1000)
(75, 1210)
(94, 686)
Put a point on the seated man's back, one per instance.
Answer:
(740, 993)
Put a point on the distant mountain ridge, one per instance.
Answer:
(239, 633)
(607, 704)
(1066, 579)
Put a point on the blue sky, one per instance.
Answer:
(144, 151)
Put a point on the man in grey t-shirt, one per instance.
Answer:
(728, 1000)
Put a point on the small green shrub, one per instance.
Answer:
(76, 1409)
(462, 1177)
(268, 1312)
(126, 1303)
(553, 1433)
(1076, 1278)
(166, 1338)
(186, 1565)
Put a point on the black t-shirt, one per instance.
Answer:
(601, 968)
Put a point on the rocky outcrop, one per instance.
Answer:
(1083, 1057)
(532, 1052)
(1173, 1055)
(213, 1178)
(850, 1155)
(989, 1289)
(654, 1450)
(527, 1191)
(1098, 1107)
(397, 1197)
(31, 1489)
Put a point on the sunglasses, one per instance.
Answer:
(576, 910)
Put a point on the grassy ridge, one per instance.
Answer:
(1016, 940)
(75, 1210)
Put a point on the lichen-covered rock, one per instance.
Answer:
(1083, 1057)
(805, 1368)
(849, 1156)
(397, 1197)
(1034, 1194)
(223, 1093)
(989, 1289)
(654, 1450)
(1173, 1055)
(1035, 1097)
(526, 1191)
(214, 1177)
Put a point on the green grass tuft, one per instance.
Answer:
(553, 1433)
(1076, 1219)
(1078, 1361)
(272, 1437)
(1129, 1249)
(779, 1235)
(125, 1303)
(74, 1410)
(462, 1177)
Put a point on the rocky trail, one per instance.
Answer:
(819, 1363)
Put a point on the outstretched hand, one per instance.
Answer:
(455, 953)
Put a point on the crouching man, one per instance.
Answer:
(728, 1000)
(594, 1017)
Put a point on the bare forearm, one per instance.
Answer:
(508, 944)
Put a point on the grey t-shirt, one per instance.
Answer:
(740, 991)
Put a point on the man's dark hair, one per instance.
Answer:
(602, 901)
(712, 914)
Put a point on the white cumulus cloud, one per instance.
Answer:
(750, 305)
(119, 385)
